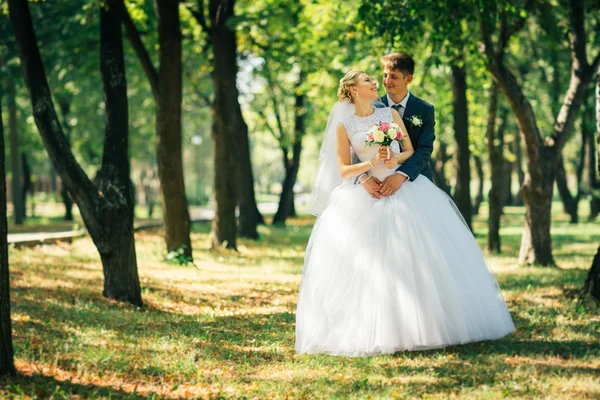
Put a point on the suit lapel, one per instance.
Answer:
(410, 110)
(384, 100)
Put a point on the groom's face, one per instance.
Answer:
(395, 82)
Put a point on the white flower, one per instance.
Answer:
(392, 133)
(415, 121)
(395, 126)
(378, 136)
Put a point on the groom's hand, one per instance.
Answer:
(373, 187)
(392, 183)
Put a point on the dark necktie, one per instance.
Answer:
(399, 108)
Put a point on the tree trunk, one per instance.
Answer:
(518, 150)
(593, 184)
(286, 202)
(591, 286)
(119, 261)
(27, 185)
(224, 133)
(292, 213)
(64, 104)
(7, 366)
(507, 196)
(536, 242)
(462, 191)
(250, 216)
(571, 202)
(495, 151)
(287, 192)
(15, 158)
(592, 283)
(438, 168)
(480, 182)
(168, 129)
(107, 212)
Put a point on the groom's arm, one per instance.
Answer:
(423, 148)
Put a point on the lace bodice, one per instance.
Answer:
(357, 128)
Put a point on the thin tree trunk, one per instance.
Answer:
(64, 104)
(287, 192)
(292, 213)
(7, 366)
(286, 202)
(591, 287)
(571, 202)
(27, 185)
(462, 191)
(507, 196)
(438, 168)
(223, 133)
(168, 128)
(518, 150)
(15, 157)
(496, 156)
(166, 87)
(593, 184)
(480, 182)
(107, 211)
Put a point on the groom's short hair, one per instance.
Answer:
(399, 62)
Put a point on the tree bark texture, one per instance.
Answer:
(168, 129)
(15, 157)
(462, 191)
(7, 366)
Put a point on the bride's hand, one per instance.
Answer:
(382, 154)
(391, 163)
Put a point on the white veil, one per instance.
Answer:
(328, 174)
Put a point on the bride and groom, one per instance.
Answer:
(390, 264)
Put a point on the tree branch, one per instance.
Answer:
(136, 42)
(199, 16)
(581, 75)
(577, 38)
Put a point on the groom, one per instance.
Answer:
(419, 118)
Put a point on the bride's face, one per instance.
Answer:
(365, 88)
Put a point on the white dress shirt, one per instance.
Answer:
(401, 112)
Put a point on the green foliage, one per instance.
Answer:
(178, 256)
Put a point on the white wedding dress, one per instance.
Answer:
(400, 273)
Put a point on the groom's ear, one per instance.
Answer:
(409, 79)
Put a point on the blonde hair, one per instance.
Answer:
(349, 80)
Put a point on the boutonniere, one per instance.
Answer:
(415, 120)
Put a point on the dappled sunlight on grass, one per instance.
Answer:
(225, 327)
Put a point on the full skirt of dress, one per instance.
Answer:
(400, 273)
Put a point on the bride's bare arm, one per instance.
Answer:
(347, 169)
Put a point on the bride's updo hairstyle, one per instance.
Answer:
(349, 80)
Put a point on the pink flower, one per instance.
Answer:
(384, 126)
(370, 137)
(400, 135)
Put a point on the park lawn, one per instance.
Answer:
(226, 328)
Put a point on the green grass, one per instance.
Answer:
(226, 328)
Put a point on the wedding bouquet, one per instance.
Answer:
(384, 134)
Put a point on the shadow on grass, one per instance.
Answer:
(44, 387)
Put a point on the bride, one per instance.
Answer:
(402, 272)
